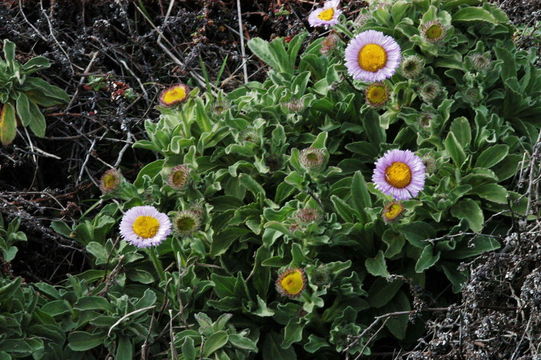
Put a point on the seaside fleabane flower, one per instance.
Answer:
(325, 16)
(392, 211)
(376, 94)
(433, 31)
(187, 222)
(174, 95)
(291, 282)
(110, 181)
(400, 174)
(372, 56)
(178, 177)
(144, 226)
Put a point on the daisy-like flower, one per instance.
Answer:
(174, 95)
(312, 158)
(412, 66)
(399, 173)
(372, 56)
(376, 94)
(178, 177)
(325, 16)
(291, 282)
(433, 31)
(144, 226)
(110, 181)
(392, 211)
(187, 222)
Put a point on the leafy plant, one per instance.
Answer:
(21, 95)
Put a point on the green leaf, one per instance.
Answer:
(223, 240)
(292, 333)
(491, 192)
(315, 343)
(215, 342)
(382, 291)
(492, 156)
(377, 265)
(398, 325)
(84, 341)
(461, 128)
(470, 211)
(454, 149)
(8, 124)
(359, 193)
(36, 121)
(474, 14)
(93, 303)
(56, 307)
(253, 186)
(507, 167)
(418, 231)
(152, 169)
(7, 290)
(41, 88)
(262, 50)
(273, 351)
(477, 246)
(9, 53)
(342, 208)
(319, 142)
(188, 348)
(124, 349)
(242, 342)
(508, 68)
(35, 64)
(23, 109)
(427, 259)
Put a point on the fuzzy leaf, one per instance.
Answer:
(8, 124)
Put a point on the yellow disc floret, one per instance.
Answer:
(291, 282)
(376, 94)
(372, 57)
(392, 211)
(174, 95)
(434, 32)
(326, 15)
(146, 226)
(398, 175)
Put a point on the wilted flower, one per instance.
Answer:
(250, 136)
(178, 177)
(308, 215)
(174, 95)
(372, 56)
(399, 173)
(320, 276)
(110, 181)
(425, 120)
(295, 105)
(328, 43)
(480, 62)
(312, 158)
(325, 16)
(144, 226)
(472, 95)
(429, 91)
(430, 163)
(187, 222)
(291, 282)
(376, 94)
(412, 66)
(433, 31)
(392, 211)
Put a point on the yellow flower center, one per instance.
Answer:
(376, 94)
(392, 211)
(179, 178)
(434, 32)
(175, 94)
(109, 181)
(146, 226)
(372, 57)
(326, 15)
(293, 283)
(398, 175)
